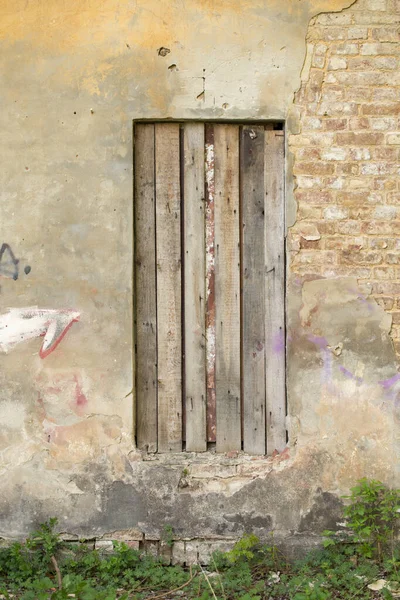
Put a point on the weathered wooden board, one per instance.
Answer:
(145, 286)
(275, 291)
(253, 266)
(194, 287)
(168, 248)
(227, 287)
(210, 281)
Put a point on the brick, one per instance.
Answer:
(340, 243)
(359, 154)
(379, 49)
(311, 244)
(310, 257)
(379, 228)
(335, 213)
(358, 94)
(383, 124)
(384, 273)
(385, 212)
(104, 545)
(334, 153)
(329, 34)
(336, 62)
(361, 212)
(347, 169)
(349, 227)
(393, 138)
(380, 243)
(350, 198)
(386, 34)
(356, 123)
(386, 183)
(359, 139)
(333, 93)
(178, 553)
(318, 61)
(388, 288)
(308, 153)
(311, 123)
(375, 18)
(385, 302)
(377, 168)
(346, 48)
(369, 64)
(133, 544)
(393, 197)
(347, 271)
(396, 317)
(308, 182)
(309, 232)
(191, 553)
(363, 78)
(313, 168)
(385, 153)
(385, 94)
(357, 33)
(326, 228)
(314, 197)
(341, 18)
(335, 124)
(392, 258)
(360, 257)
(387, 108)
(335, 183)
(356, 183)
(331, 109)
(306, 212)
(320, 139)
(205, 471)
(320, 49)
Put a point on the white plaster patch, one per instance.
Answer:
(22, 324)
(12, 415)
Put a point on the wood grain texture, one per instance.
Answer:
(275, 291)
(194, 287)
(210, 281)
(253, 257)
(227, 287)
(168, 246)
(145, 287)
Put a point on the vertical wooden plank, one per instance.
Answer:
(210, 282)
(168, 248)
(145, 286)
(194, 287)
(275, 291)
(227, 287)
(253, 257)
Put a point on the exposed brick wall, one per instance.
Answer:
(347, 153)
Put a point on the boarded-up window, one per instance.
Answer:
(209, 287)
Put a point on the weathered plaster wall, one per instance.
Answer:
(75, 75)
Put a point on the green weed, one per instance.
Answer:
(360, 564)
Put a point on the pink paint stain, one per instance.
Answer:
(80, 398)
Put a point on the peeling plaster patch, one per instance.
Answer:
(22, 324)
(309, 232)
